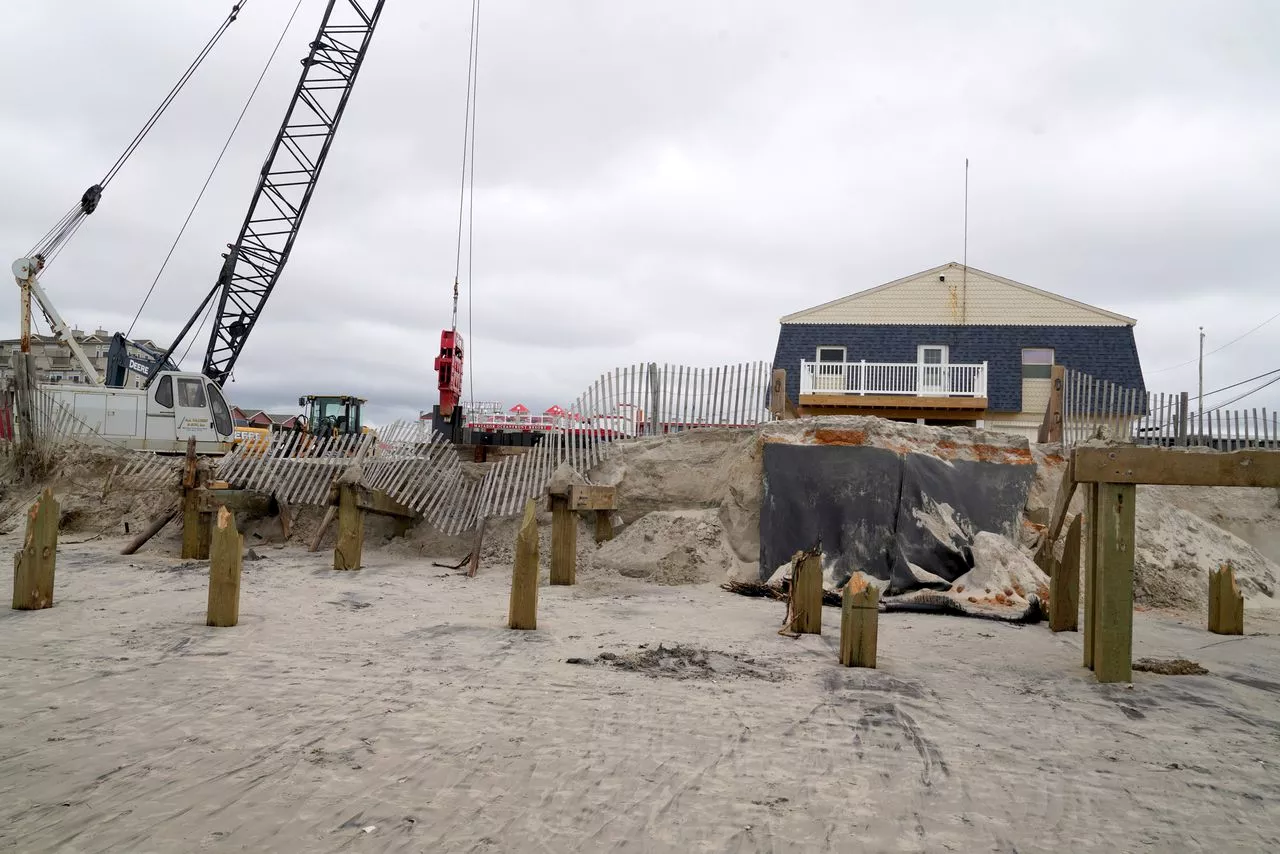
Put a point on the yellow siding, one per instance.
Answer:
(1035, 399)
(973, 298)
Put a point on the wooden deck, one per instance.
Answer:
(894, 406)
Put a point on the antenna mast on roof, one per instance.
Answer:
(964, 274)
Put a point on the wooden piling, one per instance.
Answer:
(225, 556)
(34, 564)
(195, 522)
(1090, 547)
(1226, 603)
(348, 551)
(1113, 606)
(523, 610)
(806, 593)
(859, 622)
(564, 541)
(604, 526)
(1064, 585)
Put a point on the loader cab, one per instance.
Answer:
(333, 415)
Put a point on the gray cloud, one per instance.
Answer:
(662, 181)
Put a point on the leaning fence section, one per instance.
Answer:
(1092, 407)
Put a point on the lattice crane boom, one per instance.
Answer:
(253, 264)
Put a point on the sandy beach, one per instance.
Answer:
(389, 709)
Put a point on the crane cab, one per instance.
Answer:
(333, 415)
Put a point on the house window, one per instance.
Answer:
(830, 354)
(932, 354)
(1037, 363)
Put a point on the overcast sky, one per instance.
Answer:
(660, 181)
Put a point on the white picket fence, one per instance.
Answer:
(1090, 405)
(654, 399)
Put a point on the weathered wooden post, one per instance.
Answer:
(348, 552)
(564, 539)
(523, 610)
(33, 566)
(604, 526)
(1226, 603)
(806, 592)
(195, 520)
(1090, 548)
(225, 557)
(1113, 595)
(859, 622)
(1064, 584)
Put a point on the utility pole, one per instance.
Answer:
(1200, 398)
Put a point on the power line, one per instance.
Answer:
(216, 163)
(1219, 349)
(1243, 396)
(1242, 382)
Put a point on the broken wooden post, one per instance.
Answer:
(347, 552)
(604, 526)
(806, 592)
(473, 564)
(859, 622)
(523, 610)
(225, 556)
(33, 566)
(1226, 603)
(1064, 584)
(1113, 595)
(564, 540)
(195, 521)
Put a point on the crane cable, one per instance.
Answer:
(466, 192)
(209, 178)
(51, 244)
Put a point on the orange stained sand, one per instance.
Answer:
(825, 436)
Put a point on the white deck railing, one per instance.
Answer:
(888, 378)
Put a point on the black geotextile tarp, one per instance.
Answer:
(877, 511)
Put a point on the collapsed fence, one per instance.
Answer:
(1091, 407)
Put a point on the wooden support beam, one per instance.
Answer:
(1113, 631)
(244, 502)
(564, 541)
(1066, 491)
(374, 501)
(35, 563)
(349, 549)
(1064, 584)
(1226, 603)
(329, 513)
(1090, 547)
(806, 592)
(156, 525)
(1177, 466)
(225, 556)
(859, 622)
(522, 612)
(592, 497)
(604, 526)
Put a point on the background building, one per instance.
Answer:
(950, 345)
(130, 361)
